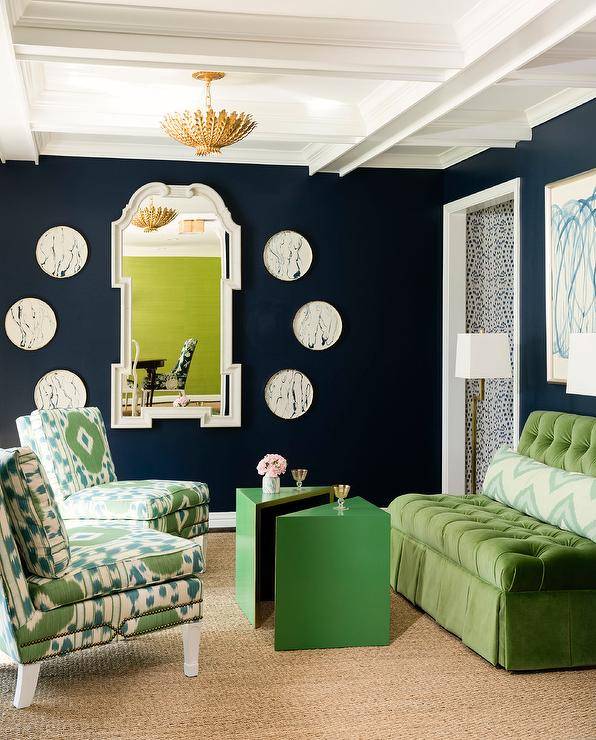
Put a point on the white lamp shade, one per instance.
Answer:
(581, 367)
(482, 356)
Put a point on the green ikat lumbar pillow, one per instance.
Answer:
(36, 522)
(566, 500)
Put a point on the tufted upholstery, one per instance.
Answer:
(519, 592)
(499, 545)
(560, 440)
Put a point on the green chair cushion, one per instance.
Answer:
(112, 558)
(36, 522)
(500, 545)
(136, 500)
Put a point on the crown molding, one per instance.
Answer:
(71, 145)
(406, 161)
(558, 104)
(458, 153)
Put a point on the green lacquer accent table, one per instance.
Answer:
(256, 513)
(332, 577)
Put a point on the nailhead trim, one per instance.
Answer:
(116, 630)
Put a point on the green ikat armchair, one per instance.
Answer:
(73, 448)
(71, 586)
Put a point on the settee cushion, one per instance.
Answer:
(72, 446)
(500, 545)
(567, 500)
(36, 522)
(112, 558)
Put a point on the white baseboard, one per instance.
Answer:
(222, 520)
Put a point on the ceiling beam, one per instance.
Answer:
(126, 34)
(549, 77)
(16, 139)
(551, 27)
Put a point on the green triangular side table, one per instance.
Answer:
(332, 577)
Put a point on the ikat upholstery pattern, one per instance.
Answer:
(28, 634)
(37, 524)
(176, 379)
(490, 306)
(72, 445)
(567, 500)
(99, 621)
(106, 560)
(93, 493)
(139, 500)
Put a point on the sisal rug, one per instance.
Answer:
(426, 684)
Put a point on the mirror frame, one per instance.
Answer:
(231, 373)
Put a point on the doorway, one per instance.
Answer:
(481, 263)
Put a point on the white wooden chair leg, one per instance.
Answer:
(191, 637)
(27, 676)
(203, 539)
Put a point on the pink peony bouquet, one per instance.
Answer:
(183, 400)
(272, 466)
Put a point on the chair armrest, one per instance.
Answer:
(16, 606)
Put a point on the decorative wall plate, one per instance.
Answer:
(317, 325)
(288, 394)
(287, 255)
(30, 323)
(61, 252)
(60, 389)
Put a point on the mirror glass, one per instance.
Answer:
(173, 261)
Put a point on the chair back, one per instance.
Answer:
(72, 445)
(182, 366)
(135, 357)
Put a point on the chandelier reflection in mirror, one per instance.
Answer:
(210, 131)
(176, 284)
(152, 217)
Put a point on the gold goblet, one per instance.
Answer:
(341, 493)
(299, 474)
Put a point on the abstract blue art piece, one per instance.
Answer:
(570, 267)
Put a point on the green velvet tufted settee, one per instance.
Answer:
(517, 590)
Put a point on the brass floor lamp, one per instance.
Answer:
(480, 356)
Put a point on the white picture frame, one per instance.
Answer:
(567, 259)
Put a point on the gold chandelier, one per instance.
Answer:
(151, 218)
(208, 132)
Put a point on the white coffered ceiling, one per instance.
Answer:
(333, 84)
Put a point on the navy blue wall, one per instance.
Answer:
(559, 148)
(375, 234)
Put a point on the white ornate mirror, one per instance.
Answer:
(176, 261)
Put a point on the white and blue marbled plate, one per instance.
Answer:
(60, 389)
(61, 252)
(317, 325)
(288, 394)
(287, 255)
(30, 323)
